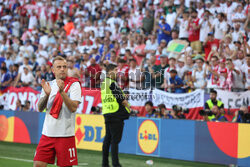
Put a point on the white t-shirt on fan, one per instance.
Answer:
(204, 30)
(200, 80)
(183, 28)
(27, 78)
(170, 19)
(64, 126)
(238, 79)
(219, 27)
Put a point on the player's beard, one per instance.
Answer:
(62, 76)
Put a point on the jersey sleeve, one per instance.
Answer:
(75, 92)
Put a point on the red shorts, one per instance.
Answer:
(62, 147)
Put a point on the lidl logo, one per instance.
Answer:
(148, 136)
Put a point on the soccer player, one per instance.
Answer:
(60, 98)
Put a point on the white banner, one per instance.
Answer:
(138, 97)
(234, 100)
(187, 100)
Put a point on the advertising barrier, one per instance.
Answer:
(148, 137)
(90, 131)
(212, 142)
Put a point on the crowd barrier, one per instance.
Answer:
(211, 142)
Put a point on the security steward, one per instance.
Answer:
(213, 101)
(115, 109)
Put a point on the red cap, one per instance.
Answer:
(49, 63)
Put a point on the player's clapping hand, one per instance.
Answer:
(60, 84)
(46, 87)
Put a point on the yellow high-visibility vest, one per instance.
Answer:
(109, 102)
(210, 105)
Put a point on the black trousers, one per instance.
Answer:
(112, 138)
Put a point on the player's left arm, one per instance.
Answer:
(74, 99)
(71, 104)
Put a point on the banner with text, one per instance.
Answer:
(194, 101)
(137, 100)
(139, 97)
(10, 96)
(233, 101)
(90, 98)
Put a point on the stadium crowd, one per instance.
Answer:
(134, 35)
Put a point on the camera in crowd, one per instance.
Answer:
(134, 113)
(177, 112)
(180, 109)
(206, 113)
(158, 110)
(97, 110)
(245, 116)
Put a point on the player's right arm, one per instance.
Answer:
(42, 103)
